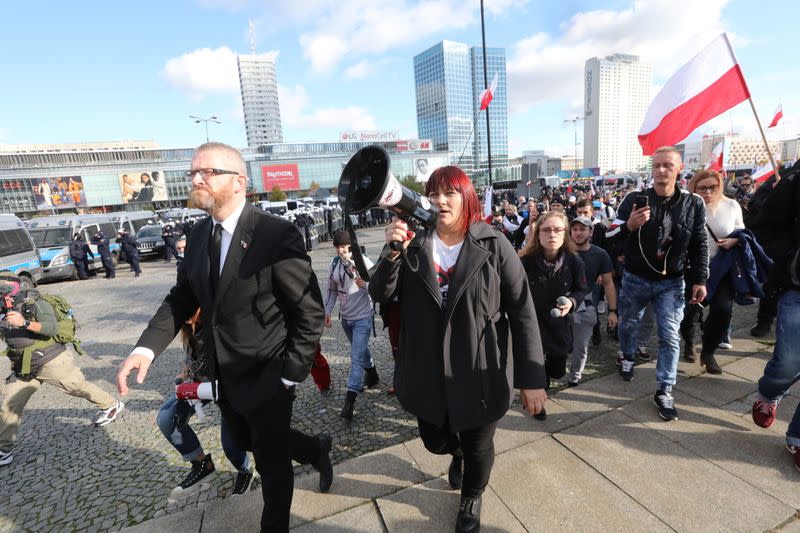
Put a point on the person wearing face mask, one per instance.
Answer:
(465, 305)
(356, 314)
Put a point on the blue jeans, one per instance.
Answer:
(358, 332)
(667, 301)
(173, 421)
(783, 370)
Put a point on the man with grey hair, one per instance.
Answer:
(262, 313)
(663, 232)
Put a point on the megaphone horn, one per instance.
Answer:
(367, 182)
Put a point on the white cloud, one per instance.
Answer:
(360, 70)
(294, 112)
(543, 67)
(205, 71)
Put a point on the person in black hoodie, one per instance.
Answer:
(554, 270)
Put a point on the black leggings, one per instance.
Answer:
(476, 445)
(555, 364)
(720, 309)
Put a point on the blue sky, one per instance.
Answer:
(100, 71)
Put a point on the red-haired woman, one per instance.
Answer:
(460, 290)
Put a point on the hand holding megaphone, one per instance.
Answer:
(397, 232)
(563, 305)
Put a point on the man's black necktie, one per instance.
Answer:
(214, 253)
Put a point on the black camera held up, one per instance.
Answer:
(367, 182)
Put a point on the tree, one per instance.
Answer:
(277, 195)
(410, 182)
(314, 187)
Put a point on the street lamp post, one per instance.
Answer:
(206, 120)
(575, 121)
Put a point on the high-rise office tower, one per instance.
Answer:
(449, 81)
(262, 112)
(617, 92)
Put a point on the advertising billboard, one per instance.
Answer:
(58, 192)
(369, 136)
(143, 186)
(287, 177)
(424, 145)
(424, 166)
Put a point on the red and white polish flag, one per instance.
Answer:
(717, 155)
(488, 94)
(763, 173)
(777, 118)
(708, 85)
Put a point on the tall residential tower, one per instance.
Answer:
(616, 95)
(262, 112)
(449, 81)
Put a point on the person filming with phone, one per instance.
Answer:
(662, 230)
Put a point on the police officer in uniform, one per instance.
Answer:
(169, 235)
(78, 254)
(130, 248)
(103, 248)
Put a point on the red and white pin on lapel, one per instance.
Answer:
(244, 245)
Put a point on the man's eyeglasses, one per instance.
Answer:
(206, 173)
(710, 188)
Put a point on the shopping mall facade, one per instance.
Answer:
(116, 176)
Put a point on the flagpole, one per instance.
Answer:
(764, 138)
(486, 86)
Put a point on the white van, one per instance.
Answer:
(18, 253)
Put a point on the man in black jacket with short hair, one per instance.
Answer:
(664, 235)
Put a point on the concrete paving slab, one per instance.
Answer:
(728, 441)
(717, 390)
(791, 527)
(518, 428)
(642, 462)
(430, 464)
(432, 506)
(600, 395)
(749, 368)
(548, 488)
(362, 519)
(243, 511)
(356, 481)
(186, 521)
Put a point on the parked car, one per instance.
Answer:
(150, 242)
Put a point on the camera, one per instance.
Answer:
(28, 310)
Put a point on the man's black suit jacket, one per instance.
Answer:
(266, 318)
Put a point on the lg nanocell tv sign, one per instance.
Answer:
(287, 177)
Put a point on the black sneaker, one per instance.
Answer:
(641, 353)
(666, 405)
(244, 479)
(191, 484)
(371, 377)
(626, 370)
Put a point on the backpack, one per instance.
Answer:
(67, 325)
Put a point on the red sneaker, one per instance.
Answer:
(764, 413)
(795, 451)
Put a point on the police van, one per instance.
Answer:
(131, 221)
(18, 253)
(52, 234)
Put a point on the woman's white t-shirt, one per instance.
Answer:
(444, 261)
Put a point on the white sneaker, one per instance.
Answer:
(5, 458)
(724, 345)
(108, 416)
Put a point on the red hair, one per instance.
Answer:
(453, 178)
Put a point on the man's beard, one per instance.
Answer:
(209, 201)
(580, 243)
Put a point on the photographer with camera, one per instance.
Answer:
(463, 297)
(356, 313)
(36, 340)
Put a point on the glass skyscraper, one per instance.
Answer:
(449, 81)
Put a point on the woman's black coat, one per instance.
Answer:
(453, 365)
